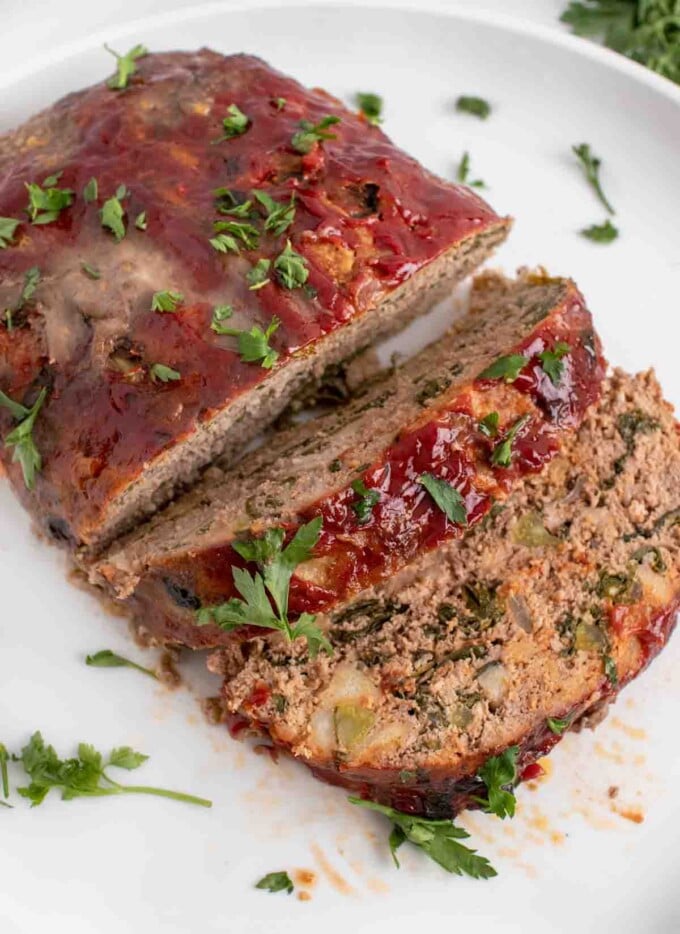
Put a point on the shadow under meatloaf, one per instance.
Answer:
(544, 611)
(426, 417)
(139, 401)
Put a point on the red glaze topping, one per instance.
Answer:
(367, 217)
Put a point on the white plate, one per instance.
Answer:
(569, 861)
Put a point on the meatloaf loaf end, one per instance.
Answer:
(189, 250)
(504, 639)
(470, 415)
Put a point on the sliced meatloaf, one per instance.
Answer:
(504, 639)
(466, 419)
(179, 254)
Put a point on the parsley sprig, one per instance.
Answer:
(162, 373)
(371, 106)
(46, 201)
(234, 124)
(591, 166)
(501, 456)
(507, 368)
(362, 507)
(601, 233)
(552, 362)
(499, 774)
(476, 106)
(264, 594)
(253, 345)
(8, 228)
(446, 496)
(126, 66)
(166, 301)
(276, 882)
(291, 268)
(439, 839)
(258, 275)
(105, 658)
(21, 437)
(463, 173)
(309, 134)
(279, 216)
(112, 213)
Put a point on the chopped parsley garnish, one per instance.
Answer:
(447, 497)
(21, 437)
(125, 66)
(166, 301)
(31, 280)
(164, 374)
(309, 134)
(558, 726)
(140, 221)
(438, 839)
(221, 313)
(91, 191)
(276, 882)
(370, 106)
(552, 363)
(240, 231)
(601, 233)
(476, 106)
(227, 203)
(367, 499)
(591, 167)
(253, 345)
(4, 756)
(224, 244)
(463, 173)
(108, 659)
(498, 773)
(85, 776)
(279, 216)
(8, 228)
(90, 271)
(258, 275)
(113, 212)
(507, 368)
(45, 204)
(279, 102)
(264, 595)
(610, 670)
(489, 425)
(291, 268)
(501, 455)
(235, 124)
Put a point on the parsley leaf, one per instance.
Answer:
(108, 659)
(552, 363)
(140, 221)
(112, 213)
(371, 106)
(253, 345)
(223, 243)
(497, 773)
(476, 106)
(601, 233)
(501, 455)
(227, 203)
(46, 204)
(363, 507)
(489, 425)
(439, 839)
(507, 368)
(463, 173)
(31, 280)
(611, 670)
(166, 301)
(291, 268)
(276, 565)
(310, 134)
(240, 231)
(446, 496)
(91, 191)
(557, 726)
(125, 66)
(4, 756)
(279, 216)
(591, 167)
(21, 437)
(85, 776)
(90, 271)
(276, 882)
(258, 275)
(221, 313)
(164, 374)
(235, 124)
(8, 228)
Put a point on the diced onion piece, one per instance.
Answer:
(352, 724)
(322, 731)
(519, 611)
(493, 680)
(387, 737)
(656, 587)
(349, 684)
(460, 716)
(530, 531)
(589, 638)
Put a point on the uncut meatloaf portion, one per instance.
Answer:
(544, 611)
(138, 401)
(360, 468)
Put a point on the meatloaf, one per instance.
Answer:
(181, 248)
(505, 639)
(468, 417)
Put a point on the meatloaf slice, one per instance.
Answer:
(472, 413)
(188, 251)
(540, 614)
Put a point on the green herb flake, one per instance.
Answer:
(552, 362)
(558, 726)
(31, 281)
(91, 191)
(21, 437)
(258, 275)
(140, 221)
(8, 228)
(279, 103)
(235, 124)
(463, 173)
(291, 268)
(610, 670)
(90, 271)
(264, 594)
(45, 204)
(223, 243)
(4, 757)
(253, 345)
(507, 368)
(489, 424)
(367, 499)
(438, 839)
(276, 882)
(166, 301)
(112, 213)
(476, 106)
(164, 374)
(310, 134)
(125, 66)
(221, 313)
(591, 166)
(501, 455)
(447, 498)
(601, 233)
(371, 106)
(105, 658)
(499, 774)
(240, 231)
(279, 216)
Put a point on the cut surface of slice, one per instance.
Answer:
(416, 459)
(506, 639)
(188, 253)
